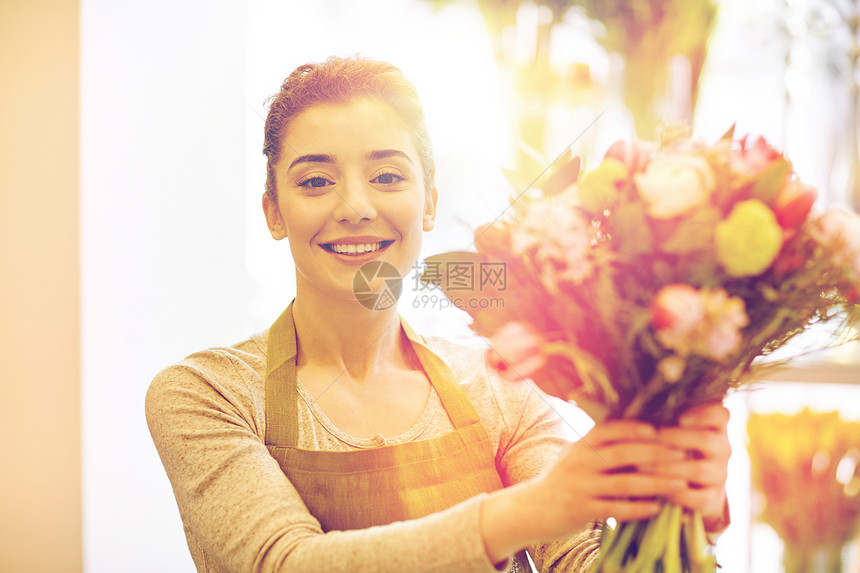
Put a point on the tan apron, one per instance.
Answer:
(363, 488)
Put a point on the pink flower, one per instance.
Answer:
(753, 159)
(794, 203)
(673, 184)
(532, 230)
(677, 308)
(840, 231)
(515, 351)
(635, 155)
(727, 316)
(706, 322)
(558, 238)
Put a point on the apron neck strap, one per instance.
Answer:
(282, 392)
(457, 404)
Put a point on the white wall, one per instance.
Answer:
(162, 246)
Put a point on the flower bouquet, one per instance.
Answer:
(807, 468)
(652, 284)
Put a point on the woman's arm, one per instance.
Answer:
(240, 511)
(532, 440)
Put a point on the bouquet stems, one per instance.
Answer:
(671, 542)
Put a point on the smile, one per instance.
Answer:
(344, 249)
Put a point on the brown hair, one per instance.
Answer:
(339, 81)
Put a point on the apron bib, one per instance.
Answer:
(363, 488)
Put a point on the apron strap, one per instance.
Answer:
(457, 404)
(281, 390)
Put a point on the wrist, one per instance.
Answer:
(504, 522)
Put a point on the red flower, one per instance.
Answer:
(794, 203)
(635, 155)
(753, 159)
(677, 307)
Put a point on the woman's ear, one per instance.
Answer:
(273, 218)
(430, 209)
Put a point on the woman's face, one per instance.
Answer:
(350, 190)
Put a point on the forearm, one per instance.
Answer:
(505, 523)
(446, 541)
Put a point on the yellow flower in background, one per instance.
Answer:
(748, 241)
(599, 188)
(806, 468)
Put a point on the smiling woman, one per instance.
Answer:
(339, 439)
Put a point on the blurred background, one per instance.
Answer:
(131, 232)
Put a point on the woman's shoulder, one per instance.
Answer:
(233, 373)
(462, 359)
(220, 361)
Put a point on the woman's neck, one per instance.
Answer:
(345, 336)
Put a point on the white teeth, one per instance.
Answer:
(355, 249)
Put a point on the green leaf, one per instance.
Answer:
(663, 272)
(771, 181)
(703, 270)
(694, 233)
(563, 178)
(631, 230)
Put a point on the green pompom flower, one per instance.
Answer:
(749, 240)
(599, 188)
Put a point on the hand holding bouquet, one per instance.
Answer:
(653, 283)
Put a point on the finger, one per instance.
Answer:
(709, 443)
(713, 415)
(627, 510)
(708, 500)
(619, 430)
(627, 485)
(697, 473)
(636, 454)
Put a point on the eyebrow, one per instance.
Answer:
(313, 158)
(372, 156)
(386, 153)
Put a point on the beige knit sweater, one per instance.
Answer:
(240, 512)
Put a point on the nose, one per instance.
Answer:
(355, 201)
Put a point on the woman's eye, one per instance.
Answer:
(387, 178)
(315, 182)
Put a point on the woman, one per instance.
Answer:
(340, 440)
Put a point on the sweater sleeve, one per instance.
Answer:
(531, 439)
(242, 514)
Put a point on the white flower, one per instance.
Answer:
(674, 184)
